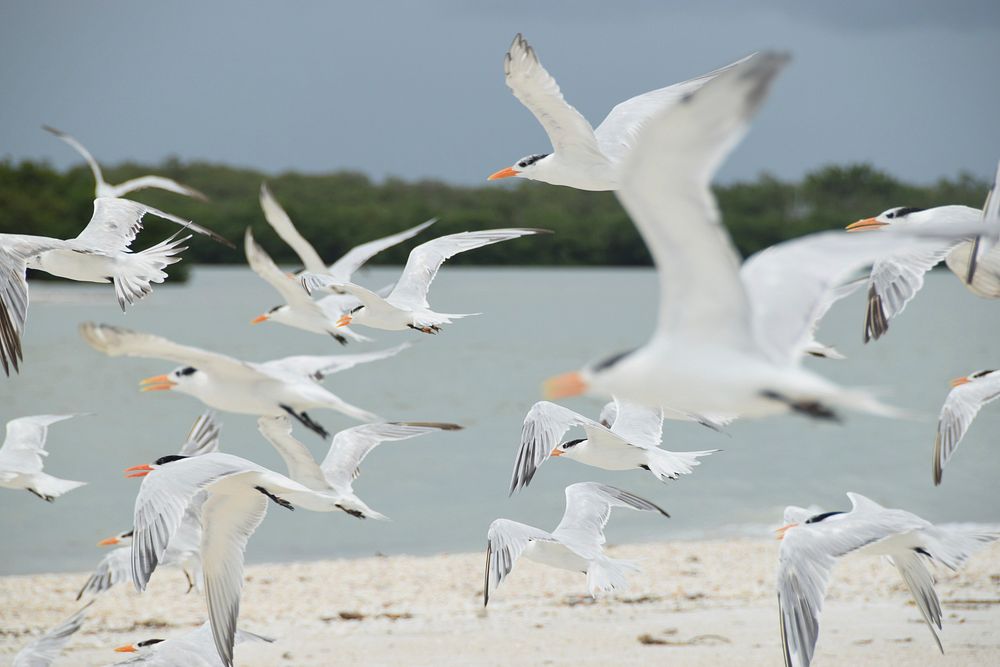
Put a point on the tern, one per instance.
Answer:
(968, 395)
(583, 158)
(627, 437)
(21, 458)
(406, 305)
(44, 650)
(577, 543)
(105, 189)
(290, 385)
(342, 465)
(192, 649)
(811, 545)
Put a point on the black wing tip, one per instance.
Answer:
(52, 130)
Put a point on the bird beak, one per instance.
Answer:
(503, 173)
(563, 386)
(865, 225)
(780, 533)
(958, 382)
(556, 452)
(108, 541)
(139, 471)
(157, 383)
(127, 648)
(259, 319)
(344, 320)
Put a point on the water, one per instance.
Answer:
(443, 490)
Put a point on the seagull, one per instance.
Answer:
(577, 543)
(583, 158)
(299, 311)
(342, 465)
(977, 262)
(811, 545)
(98, 254)
(237, 492)
(406, 306)
(290, 385)
(21, 458)
(627, 437)
(192, 649)
(968, 395)
(729, 341)
(184, 548)
(44, 650)
(105, 189)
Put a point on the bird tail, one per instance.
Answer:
(136, 271)
(952, 546)
(49, 487)
(606, 575)
(357, 508)
(671, 465)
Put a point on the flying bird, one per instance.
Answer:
(406, 305)
(967, 397)
(44, 650)
(626, 437)
(192, 649)
(105, 189)
(577, 543)
(811, 545)
(287, 386)
(21, 458)
(583, 158)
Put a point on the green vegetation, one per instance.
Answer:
(337, 211)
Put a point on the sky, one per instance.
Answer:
(416, 90)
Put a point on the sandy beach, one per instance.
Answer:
(697, 603)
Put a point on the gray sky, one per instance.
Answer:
(415, 89)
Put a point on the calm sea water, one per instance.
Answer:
(442, 491)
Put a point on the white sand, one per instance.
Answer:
(705, 603)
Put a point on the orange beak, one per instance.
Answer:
(108, 541)
(157, 383)
(139, 471)
(128, 648)
(780, 533)
(259, 319)
(556, 452)
(958, 382)
(503, 173)
(865, 225)
(344, 320)
(563, 386)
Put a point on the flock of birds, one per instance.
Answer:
(729, 344)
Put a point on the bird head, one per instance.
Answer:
(277, 310)
(182, 379)
(883, 219)
(116, 539)
(146, 468)
(958, 382)
(568, 449)
(138, 647)
(526, 167)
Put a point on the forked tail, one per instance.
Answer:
(671, 465)
(135, 272)
(606, 575)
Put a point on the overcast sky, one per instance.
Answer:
(416, 89)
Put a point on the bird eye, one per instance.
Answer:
(890, 215)
(190, 370)
(522, 164)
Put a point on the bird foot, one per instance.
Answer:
(281, 501)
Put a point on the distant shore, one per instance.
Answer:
(696, 603)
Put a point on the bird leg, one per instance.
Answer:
(189, 580)
(308, 422)
(281, 501)
(427, 330)
(47, 499)
(813, 409)
(357, 514)
(340, 339)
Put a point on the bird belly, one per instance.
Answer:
(555, 555)
(610, 457)
(79, 266)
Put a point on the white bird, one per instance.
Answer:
(98, 254)
(583, 158)
(44, 650)
(105, 189)
(272, 388)
(577, 543)
(406, 306)
(728, 341)
(811, 545)
(21, 458)
(237, 494)
(968, 395)
(184, 549)
(627, 437)
(192, 649)
(977, 263)
(342, 465)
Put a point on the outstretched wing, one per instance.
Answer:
(24, 446)
(588, 508)
(78, 147)
(961, 407)
(283, 225)
(301, 465)
(114, 568)
(204, 435)
(318, 367)
(158, 182)
(638, 425)
(506, 541)
(45, 649)
(289, 288)
(116, 222)
(353, 259)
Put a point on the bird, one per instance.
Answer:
(729, 340)
(290, 385)
(21, 458)
(44, 650)
(192, 649)
(406, 306)
(577, 543)
(966, 398)
(105, 189)
(299, 310)
(237, 493)
(626, 437)
(811, 545)
(98, 254)
(582, 157)
(977, 263)
(342, 465)
(183, 551)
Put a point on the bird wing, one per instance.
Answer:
(158, 182)
(570, 133)
(665, 189)
(506, 541)
(301, 465)
(116, 222)
(617, 132)
(350, 447)
(588, 507)
(283, 225)
(353, 259)
(24, 446)
(638, 425)
(425, 260)
(289, 288)
(78, 147)
(204, 435)
(920, 582)
(983, 244)
(960, 407)
(44, 650)
(318, 367)
(114, 568)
